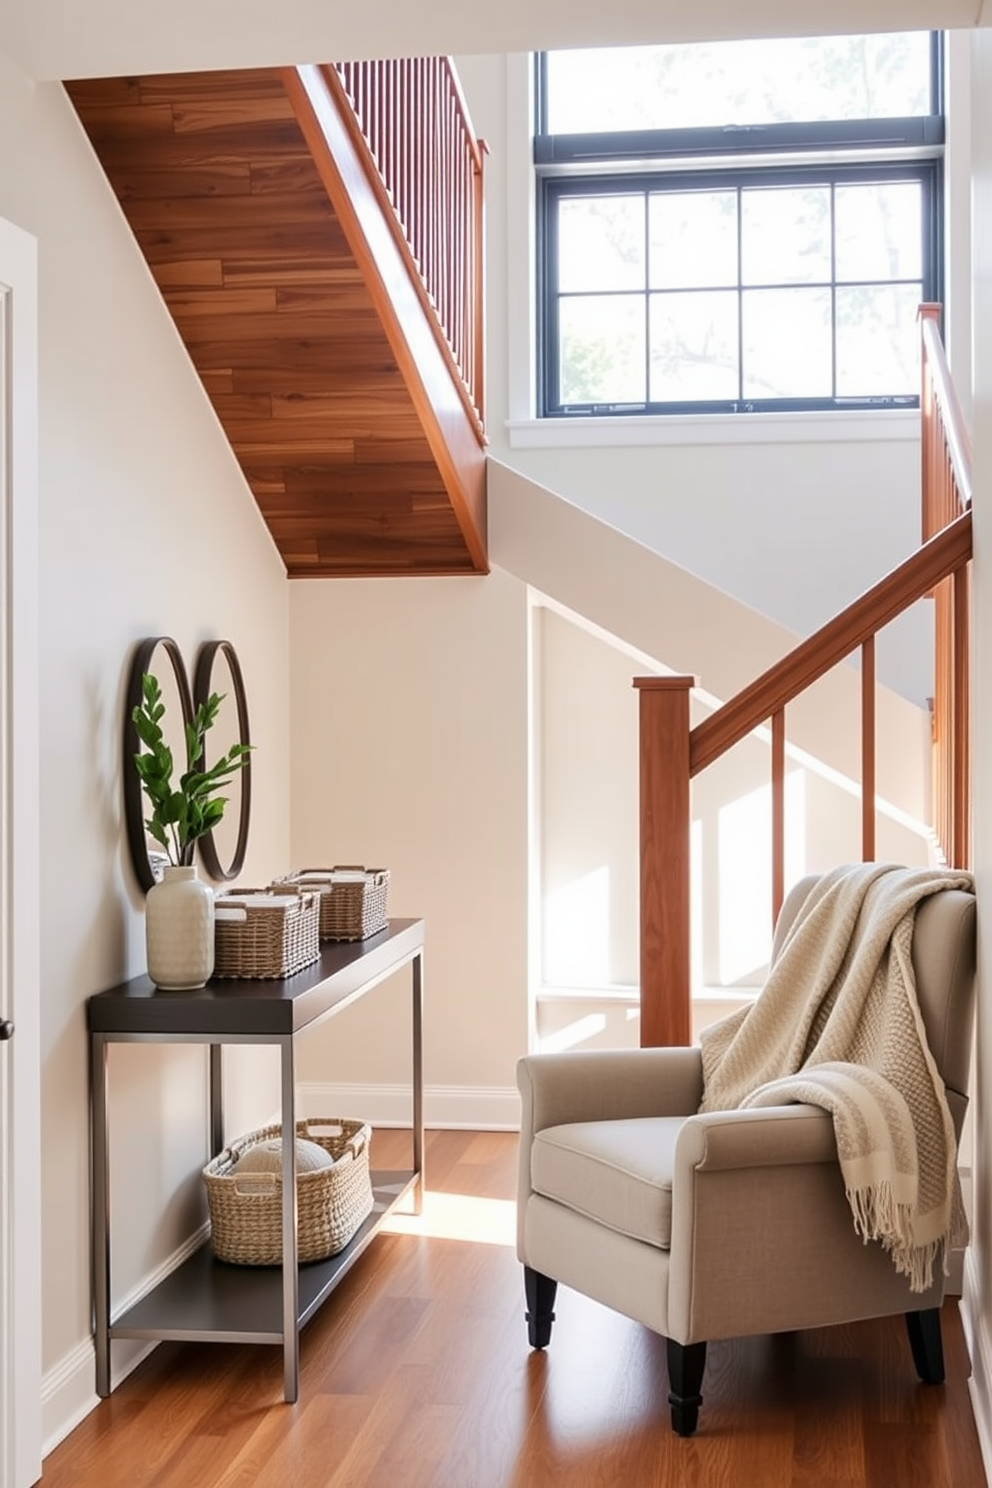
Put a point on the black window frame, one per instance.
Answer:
(849, 150)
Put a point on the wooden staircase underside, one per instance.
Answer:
(358, 462)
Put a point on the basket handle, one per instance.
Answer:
(355, 1144)
(256, 1185)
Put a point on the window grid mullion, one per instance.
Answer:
(740, 294)
(833, 289)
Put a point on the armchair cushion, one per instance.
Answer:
(618, 1173)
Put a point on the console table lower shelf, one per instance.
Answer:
(209, 1300)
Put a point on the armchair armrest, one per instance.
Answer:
(762, 1137)
(607, 1085)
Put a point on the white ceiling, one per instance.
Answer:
(104, 38)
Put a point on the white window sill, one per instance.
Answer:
(869, 425)
(630, 996)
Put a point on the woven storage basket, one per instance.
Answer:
(331, 1203)
(352, 899)
(265, 932)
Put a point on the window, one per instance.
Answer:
(773, 262)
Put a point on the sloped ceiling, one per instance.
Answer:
(106, 38)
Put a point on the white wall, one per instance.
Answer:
(146, 527)
(794, 517)
(978, 1269)
(409, 751)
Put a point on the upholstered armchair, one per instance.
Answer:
(719, 1225)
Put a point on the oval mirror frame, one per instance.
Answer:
(202, 680)
(134, 809)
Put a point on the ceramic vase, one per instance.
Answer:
(179, 931)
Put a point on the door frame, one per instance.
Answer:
(20, 1118)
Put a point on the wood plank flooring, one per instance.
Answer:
(417, 1374)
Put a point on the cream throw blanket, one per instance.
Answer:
(837, 1025)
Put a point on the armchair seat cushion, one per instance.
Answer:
(618, 1173)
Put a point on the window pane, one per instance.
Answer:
(785, 235)
(878, 231)
(694, 347)
(740, 82)
(878, 343)
(786, 343)
(692, 239)
(602, 349)
(601, 242)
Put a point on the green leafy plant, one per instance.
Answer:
(180, 814)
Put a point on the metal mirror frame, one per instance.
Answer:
(134, 806)
(201, 691)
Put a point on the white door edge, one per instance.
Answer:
(20, 1121)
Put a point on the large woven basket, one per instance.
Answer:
(352, 899)
(331, 1203)
(270, 932)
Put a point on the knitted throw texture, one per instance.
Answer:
(837, 1025)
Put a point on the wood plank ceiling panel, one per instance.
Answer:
(219, 187)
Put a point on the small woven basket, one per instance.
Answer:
(270, 932)
(331, 1203)
(352, 899)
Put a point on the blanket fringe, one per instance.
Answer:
(878, 1216)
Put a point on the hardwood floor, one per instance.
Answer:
(417, 1374)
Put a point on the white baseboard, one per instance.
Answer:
(463, 1107)
(68, 1391)
(979, 1340)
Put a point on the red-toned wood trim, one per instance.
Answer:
(775, 688)
(868, 750)
(665, 826)
(955, 430)
(778, 812)
(960, 600)
(341, 157)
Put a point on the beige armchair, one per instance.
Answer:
(719, 1225)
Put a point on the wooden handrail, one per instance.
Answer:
(812, 658)
(946, 490)
(938, 388)
(415, 125)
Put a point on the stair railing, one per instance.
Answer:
(946, 490)
(412, 117)
(671, 753)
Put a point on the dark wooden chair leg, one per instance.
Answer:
(540, 1293)
(925, 1341)
(686, 1362)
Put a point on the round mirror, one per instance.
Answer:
(161, 656)
(218, 670)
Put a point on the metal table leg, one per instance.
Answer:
(418, 1081)
(100, 1158)
(216, 1086)
(290, 1272)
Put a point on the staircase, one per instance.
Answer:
(348, 387)
(672, 753)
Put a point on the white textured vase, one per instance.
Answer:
(179, 931)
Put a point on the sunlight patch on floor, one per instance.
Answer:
(459, 1217)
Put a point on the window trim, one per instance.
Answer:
(577, 164)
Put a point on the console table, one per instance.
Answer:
(205, 1298)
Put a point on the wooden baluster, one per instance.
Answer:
(665, 823)
(868, 750)
(778, 812)
(961, 723)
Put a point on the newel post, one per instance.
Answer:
(665, 821)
